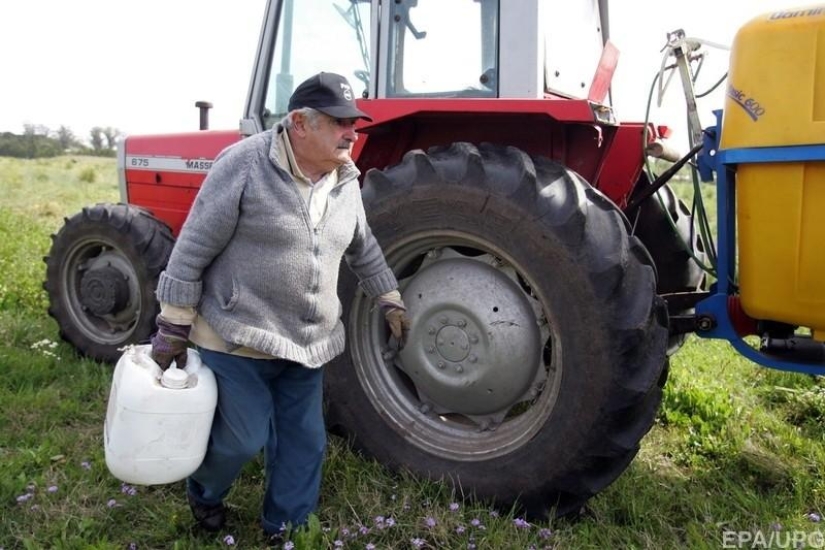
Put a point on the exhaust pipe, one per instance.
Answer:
(204, 107)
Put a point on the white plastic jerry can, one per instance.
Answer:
(157, 423)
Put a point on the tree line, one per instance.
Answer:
(38, 141)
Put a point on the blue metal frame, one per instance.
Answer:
(716, 305)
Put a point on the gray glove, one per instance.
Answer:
(399, 324)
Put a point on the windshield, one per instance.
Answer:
(314, 36)
(444, 48)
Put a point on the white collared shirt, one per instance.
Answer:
(315, 194)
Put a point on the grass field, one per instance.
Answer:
(735, 457)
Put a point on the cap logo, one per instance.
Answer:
(346, 91)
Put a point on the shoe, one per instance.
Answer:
(275, 540)
(211, 517)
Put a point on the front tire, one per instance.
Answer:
(101, 275)
(537, 353)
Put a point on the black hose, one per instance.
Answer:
(660, 182)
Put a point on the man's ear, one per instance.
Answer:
(300, 124)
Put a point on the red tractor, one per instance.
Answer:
(508, 201)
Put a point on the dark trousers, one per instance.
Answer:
(271, 404)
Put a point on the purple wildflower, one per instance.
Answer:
(776, 526)
(86, 465)
(430, 522)
(289, 545)
(345, 532)
(379, 520)
(814, 517)
(111, 503)
(475, 522)
(132, 546)
(453, 507)
(25, 497)
(338, 544)
(545, 533)
(369, 546)
(229, 540)
(128, 490)
(521, 523)
(364, 530)
(390, 521)
(460, 529)
(493, 513)
(52, 489)
(34, 507)
(471, 546)
(417, 542)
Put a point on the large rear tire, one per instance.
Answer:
(664, 226)
(537, 353)
(101, 275)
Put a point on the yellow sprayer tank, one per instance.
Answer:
(776, 98)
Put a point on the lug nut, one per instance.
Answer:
(443, 320)
(431, 349)
(472, 359)
(462, 323)
(431, 330)
(441, 364)
(459, 368)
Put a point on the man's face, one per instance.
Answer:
(328, 144)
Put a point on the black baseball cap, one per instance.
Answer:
(329, 93)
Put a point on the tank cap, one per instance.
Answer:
(174, 378)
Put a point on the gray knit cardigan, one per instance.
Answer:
(249, 260)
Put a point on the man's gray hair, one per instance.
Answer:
(313, 117)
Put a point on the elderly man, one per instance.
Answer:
(252, 281)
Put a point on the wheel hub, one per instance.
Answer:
(474, 348)
(452, 343)
(104, 291)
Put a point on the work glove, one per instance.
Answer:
(170, 343)
(399, 324)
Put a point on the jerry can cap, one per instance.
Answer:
(174, 378)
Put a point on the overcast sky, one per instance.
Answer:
(140, 66)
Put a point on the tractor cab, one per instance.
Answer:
(434, 49)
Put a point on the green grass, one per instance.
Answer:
(736, 447)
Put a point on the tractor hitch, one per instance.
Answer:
(680, 302)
